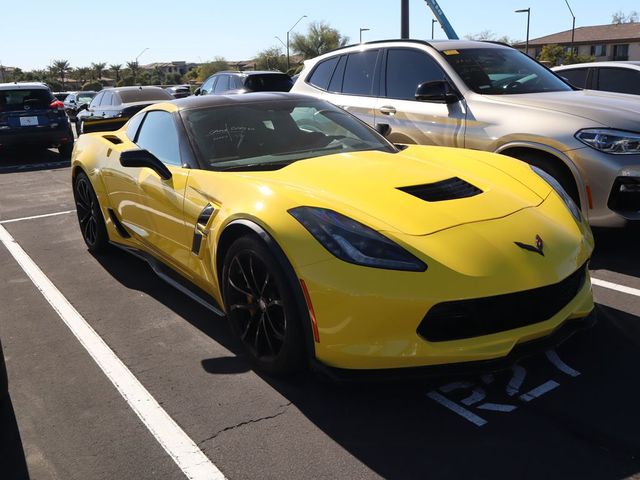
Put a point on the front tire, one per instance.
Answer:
(92, 226)
(261, 308)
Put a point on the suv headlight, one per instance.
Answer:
(568, 201)
(610, 141)
(354, 242)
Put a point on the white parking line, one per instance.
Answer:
(191, 460)
(12, 220)
(615, 286)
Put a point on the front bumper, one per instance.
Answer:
(602, 174)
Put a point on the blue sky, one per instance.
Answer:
(36, 32)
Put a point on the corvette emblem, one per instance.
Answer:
(538, 248)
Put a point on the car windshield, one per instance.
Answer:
(268, 82)
(144, 94)
(501, 71)
(270, 135)
(85, 97)
(24, 99)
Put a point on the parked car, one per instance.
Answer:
(31, 115)
(230, 83)
(486, 96)
(61, 95)
(620, 77)
(76, 100)
(179, 91)
(325, 244)
(4, 383)
(112, 107)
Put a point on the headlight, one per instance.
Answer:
(610, 141)
(568, 201)
(354, 242)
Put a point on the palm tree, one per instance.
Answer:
(115, 68)
(61, 67)
(98, 68)
(134, 67)
(82, 74)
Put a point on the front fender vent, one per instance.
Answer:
(449, 189)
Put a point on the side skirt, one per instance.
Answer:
(176, 280)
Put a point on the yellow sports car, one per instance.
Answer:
(327, 245)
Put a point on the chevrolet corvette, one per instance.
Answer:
(325, 245)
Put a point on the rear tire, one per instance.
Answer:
(261, 308)
(92, 226)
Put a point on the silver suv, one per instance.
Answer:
(492, 97)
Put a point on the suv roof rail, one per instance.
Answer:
(373, 42)
(498, 42)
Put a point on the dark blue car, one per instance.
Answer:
(31, 115)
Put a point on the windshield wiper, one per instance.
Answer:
(307, 150)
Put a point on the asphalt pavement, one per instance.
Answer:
(570, 413)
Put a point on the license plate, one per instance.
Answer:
(28, 121)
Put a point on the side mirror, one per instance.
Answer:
(72, 102)
(383, 129)
(82, 107)
(144, 158)
(197, 91)
(436, 92)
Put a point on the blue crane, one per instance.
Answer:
(442, 19)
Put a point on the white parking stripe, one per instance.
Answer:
(615, 286)
(454, 407)
(12, 220)
(191, 460)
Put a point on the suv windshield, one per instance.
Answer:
(268, 82)
(25, 99)
(270, 135)
(501, 71)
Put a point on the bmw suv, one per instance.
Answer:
(488, 96)
(31, 115)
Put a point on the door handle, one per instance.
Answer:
(387, 110)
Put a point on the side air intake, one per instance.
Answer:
(449, 189)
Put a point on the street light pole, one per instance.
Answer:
(135, 74)
(528, 10)
(280, 40)
(433, 22)
(288, 32)
(363, 30)
(573, 28)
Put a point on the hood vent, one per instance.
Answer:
(449, 189)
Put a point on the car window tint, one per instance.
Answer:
(107, 99)
(338, 74)
(96, 100)
(408, 68)
(158, 134)
(222, 85)
(235, 83)
(619, 80)
(144, 94)
(207, 86)
(576, 76)
(268, 82)
(133, 125)
(322, 73)
(21, 99)
(358, 75)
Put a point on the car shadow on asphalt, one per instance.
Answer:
(610, 242)
(29, 159)
(576, 421)
(13, 464)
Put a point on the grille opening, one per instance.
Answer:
(113, 139)
(461, 319)
(449, 189)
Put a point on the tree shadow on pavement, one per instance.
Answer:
(12, 460)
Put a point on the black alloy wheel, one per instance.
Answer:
(261, 308)
(92, 226)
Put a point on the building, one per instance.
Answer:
(180, 67)
(616, 41)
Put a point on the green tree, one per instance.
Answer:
(116, 68)
(554, 54)
(271, 59)
(93, 85)
(209, 68)
(60, 68)
(82, 74)
(134, 68)
(320, 38)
